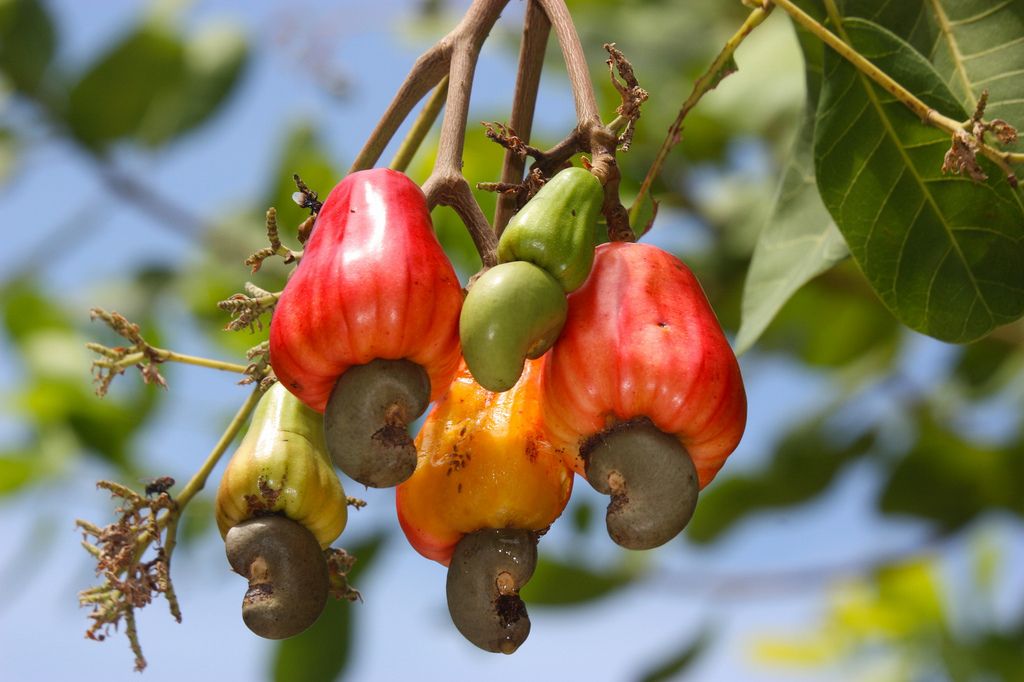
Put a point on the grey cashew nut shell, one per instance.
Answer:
(486, 572)
(651, 479)
(287, 574)
(367, 418)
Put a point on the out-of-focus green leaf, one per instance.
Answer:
(16, 471)
(57, 395)
(27, 42)
(321, 653)
(582, 517)
(802, 466)
(130, 90)
(215, 60)
(981, 364)
(561, 583)
(950, 481)
(26, 311)
(686, 655)
(943, 252)
(153, 86)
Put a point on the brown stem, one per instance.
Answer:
(446, 186)
(575, 62)
(536, 29)
(598, 139)
(427, 72)
(420, 127)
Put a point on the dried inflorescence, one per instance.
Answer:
(247, 309)
(620, 70)
(113, 361)
(967, 143)
(129, 581)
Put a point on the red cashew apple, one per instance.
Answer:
(366, 330)
(642, 392)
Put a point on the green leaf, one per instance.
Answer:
(27, 42)
(16, 471)
(27, 311)
(799, 243)
(950, 481)
(974, 45)
(215, 60)
(942, 252)
(688, 653)
(561, 583)
(130, 90)
(321, 653)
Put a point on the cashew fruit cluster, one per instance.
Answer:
(564, 359)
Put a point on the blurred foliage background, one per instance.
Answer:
(881, 481)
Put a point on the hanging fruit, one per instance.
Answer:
(278, 506)
(642, 392)
(516, 310)
(486, 484)
(366, 330)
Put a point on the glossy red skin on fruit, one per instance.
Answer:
(485, 461)
(641, 339)
(373, 283)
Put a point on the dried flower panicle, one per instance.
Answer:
(111, 362)
(132, 576)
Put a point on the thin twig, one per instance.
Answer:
(598, 139)
(420, 127)
(536, 29)
(719, 69)
(162, 355)
(446, 185)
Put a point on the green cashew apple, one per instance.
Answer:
(555, 229)
(514, 311)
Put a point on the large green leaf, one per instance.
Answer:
(974, 45)
(799, 240)
(943, 253)
(27, 42)
(799, 243)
